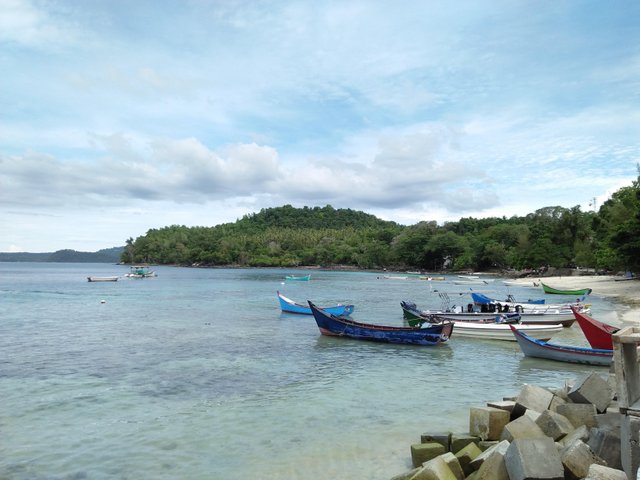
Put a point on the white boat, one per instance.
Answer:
(102, 279)
(502, 331)
(140, 271)
(529, 318)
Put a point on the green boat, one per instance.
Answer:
(556, 291)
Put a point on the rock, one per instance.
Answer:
(466, 455)
(600, 472)
(579, 413)
(535, 458)
(554, 425)
(532, 397)
(443, 438)
(487, 422)
(521, 428)
(423, 452)
(606, 444)
(461, 440)
(577, 458)
(592, 388)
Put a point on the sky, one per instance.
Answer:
(120, 116)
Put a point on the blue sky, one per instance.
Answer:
(120, 116)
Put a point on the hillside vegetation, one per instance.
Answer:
(286, 237)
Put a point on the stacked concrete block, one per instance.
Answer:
(532, 397)
(554, 425)
(520, 428)
(487, 422)
(466, 455)
(579, 413)
(423, 452)
(592, 388)
(523, 460)
(600, 472)
(443, 438)
(461, 440)
(577, 458)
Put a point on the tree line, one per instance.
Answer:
(559, 237)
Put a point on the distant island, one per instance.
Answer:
(107, 255)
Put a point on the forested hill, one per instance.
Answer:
(559, 237)
(107, 255)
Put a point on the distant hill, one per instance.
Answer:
(107, 255)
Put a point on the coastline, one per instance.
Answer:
(612, 287)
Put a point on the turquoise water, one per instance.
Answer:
(197, 374)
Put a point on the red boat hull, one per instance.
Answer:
(598, 334)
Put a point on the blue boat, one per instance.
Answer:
(289, 306)
(532, 347)
(430, 334)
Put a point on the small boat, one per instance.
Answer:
(558, 291)
(140, 271)
(304, 278)
(433, 334)
(550, 317)
(532, 347)
(483, 299)
(598, 333)
(289, 306)
(395, 277)
(102, 279)
(502, 331)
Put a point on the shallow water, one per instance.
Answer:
(197, 374)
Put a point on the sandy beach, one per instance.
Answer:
(626, 292)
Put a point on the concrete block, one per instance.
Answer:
(534, 459)
(423, 452)
(580, 433)
(503, 405)
(461, 440)
(454, 464)
(532, 414)
(592, 388)
(493, 466)
(465, 455)
(609, 421)
(556, 402)
(487, 422)
(554, 425)
(577, 458)
(499, 448)
(627, 367)
(487, 444)
(600, 472)
(630, 444)
(408, 475)
(606, 445)
(579, 413)
(532, 397)
(435, 469)
(443, 438)
(521, 428)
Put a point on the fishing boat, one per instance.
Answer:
(343, 327)
(558, 291)
(502, 331)
(598, 333)
(102, 279)
(289, 306)
(140, 271)
(487, 304)
(550, 317)
(483, 299)
(304, 278)
(532, 347)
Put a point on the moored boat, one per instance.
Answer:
(304, 278)
(289, 306)
(548, 317)
(102, 279)
(559, 291)
(502, 331)
(598, 334)
(140, 271)
(532, 347)
(332, 325)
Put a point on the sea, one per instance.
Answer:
(197, 374)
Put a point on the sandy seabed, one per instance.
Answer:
(614, 288)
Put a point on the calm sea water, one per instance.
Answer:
(197, 374)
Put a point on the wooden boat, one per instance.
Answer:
(344, 327)
(558, 291)
(502, 331)
(551, 317)
(532, 347)
(289, 306)
(487, 304)
(304, 278)
(102, 279)
(140, 271)
(598, 333)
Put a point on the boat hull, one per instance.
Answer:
(502, 331)
(102, 279)
(289, 306)
(292, 278)
(598, 334)
(557, 291)
(562, 353)
(340, 326)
